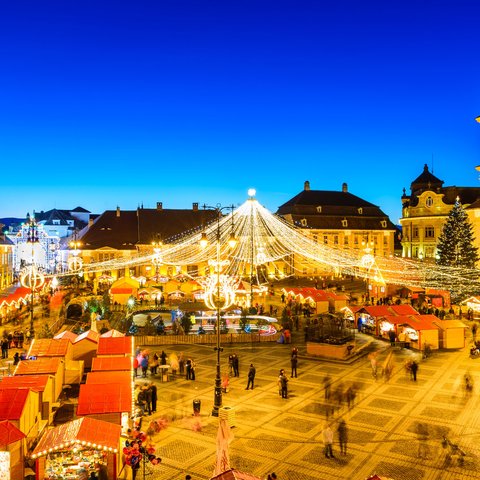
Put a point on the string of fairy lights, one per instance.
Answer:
(266, 240)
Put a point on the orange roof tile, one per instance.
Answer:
(50, 347)
(403, 309)
(37, 383)
(89, 430)
(12, 403)
(111, 364)
(9, 433)
(40, 366)
(109, 377)
(115, 346)
(104, 398)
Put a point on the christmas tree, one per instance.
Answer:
(455, 246)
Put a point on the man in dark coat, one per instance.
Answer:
(153, 389)
(235, 365)
(251, 376)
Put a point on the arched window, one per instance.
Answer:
(429, 201)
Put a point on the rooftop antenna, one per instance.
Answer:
(432, 164)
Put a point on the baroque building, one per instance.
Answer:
(425, 210)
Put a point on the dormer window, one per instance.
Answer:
(319, 209)
(360, 211)
(429, 201)
(344, 223)
(303, 222)
(383, 223)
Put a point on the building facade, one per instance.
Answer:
(426, 209)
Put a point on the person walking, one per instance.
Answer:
(327, 436)
(192, 369)
(148, 399)
(342, 436)
(327, 384)
(283, 380)
(188, 368)
(251, 376)
(181, 363)
(153, 389)
(414, 370)
(294, 362)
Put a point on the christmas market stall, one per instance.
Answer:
(74, 450)
(115, 347)
(66, 334)
(367, 317)
(421, 331)
(44, 366)
(43, 384)
(85, 347)
(111, 364)
(12, 451)
(112, 333)
(452, 333)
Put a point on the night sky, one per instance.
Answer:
(129, 103)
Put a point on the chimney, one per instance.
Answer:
(344, 187)
(159, 206)
(306, 186)
(118, 211)
(195, 207)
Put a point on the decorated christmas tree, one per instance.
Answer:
(455, 246)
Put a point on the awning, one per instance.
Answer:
(9, 433)
(84, 431)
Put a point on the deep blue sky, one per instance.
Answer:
(122, 103)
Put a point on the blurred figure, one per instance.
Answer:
(342, 431)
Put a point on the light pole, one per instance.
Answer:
(219, 294)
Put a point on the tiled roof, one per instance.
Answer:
(12, 403)
(104, 398)
(127, 229)
(50, 347)
(37, 383)
(111, 364)
(114, 346)
(40, 366)
(9, 433)
(88, 430)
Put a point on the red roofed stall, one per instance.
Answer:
(85, 347)
(115, 346)
(12, 450)
(66, 334)
(75, 447)
(112, 364)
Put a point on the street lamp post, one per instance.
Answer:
(219, 295)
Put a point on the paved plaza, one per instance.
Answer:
(284, 435)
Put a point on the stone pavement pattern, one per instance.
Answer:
(284, 435)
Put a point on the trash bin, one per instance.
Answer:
(196, 406)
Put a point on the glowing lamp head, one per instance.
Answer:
(203, 240)
(232, 241)
(251, 192)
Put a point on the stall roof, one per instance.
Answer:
(66, 334)
(104, 398)
(12, 403)
(112, 333)
(88, 430)
(115, 346)
(233, 474)
(40, 366)
(403, 309)
(387, 310)
(396, 319)
(9, 433)
(422, 322)
(109, 377)
(88, 335)
(50, 347)
(37, 383)
(444, 324)
(21, 294)
(111, 364)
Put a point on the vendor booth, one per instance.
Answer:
(11, 451)
(112, 333)
(451, 333)
(51, 347)
(110, 364)
(43, 384)
(21, 407)
(44, 366)
(367, 317)
(85, 347)
(75, 449)
(115, 346)
(66, 334)
(421, 330)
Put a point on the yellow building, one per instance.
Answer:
(6, 262)
(426, 209)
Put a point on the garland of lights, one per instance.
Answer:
(266, 238)
(32, 278)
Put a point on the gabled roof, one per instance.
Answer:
(9, 433)
(50, 347)
(114, 346)
(40, 366)
(104, 398)
(422, 322)
(112, 333)
(89, 335)
(111, 364)
(88, 430)
(37, 383)
(125, 229)
(123, 376)
(403, 309)
(426, 181)
(12, 403)
(446, 324)
(66, 334)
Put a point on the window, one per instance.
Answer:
(344, 222)
(355, 240)
(315, 238)
(319, 209)
(303, 222)
(360, 211)
(192, 270)
(429, 232)
(429, 201)
(415, 232)
(345, 240)
(335, 239)
(325, 239)
(384, 223)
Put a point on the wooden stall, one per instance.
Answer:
(112, 333)
(421, 330)
(85, 347)
(44, 366)
(115, 346)
(451, 333)
(110, 364)
(51, 347)
(75, 449)
(66, 334)
(12, 451)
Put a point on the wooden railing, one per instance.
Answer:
(225, 339)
